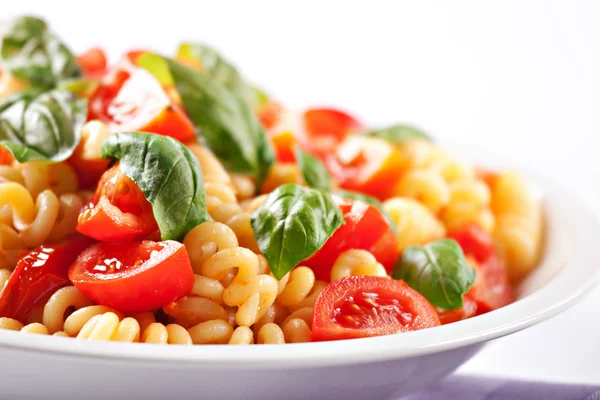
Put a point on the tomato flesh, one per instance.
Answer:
(474, 241)
(6, 157)
(37, 275)
(326, 127)
(133, 276)
(118, 210)
(364, 228)
(93, 63)
(468, 310)
(364, 306)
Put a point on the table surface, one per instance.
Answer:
(523, 77)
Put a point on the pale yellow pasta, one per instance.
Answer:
(38, 176)
(305, 314)
(192, 310)
(4, 277)
(310, 300)
(60, 334)
(206, 239)
(281, 174)
(14, 325)
(216, 331)
(36, 328)
(209, 288)
(212, 169)
(20, 201)
(75, 322)
(157, 333)
(11, 245)
(144, 319)
(244, 186)
(93, 134)
(355, 262)
(416, 223)
(252, 204)
(469, 203)
(10, 324)
(276, 314)
(427, 187)
(69, 206)
(106, 327)
(296, 330)
(299, 285)
(62, 300)
(270, 334)
(242, 335)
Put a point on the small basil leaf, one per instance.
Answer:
(314, 172)
(226, 122)
(219, 69)
(398, 133)
(43, 126)
(32, 53)
(292, 224)
(369, 200)
(79, 87)
(169, 176)
(438, 271)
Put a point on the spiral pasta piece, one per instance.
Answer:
(469, 203)
(356, 262)
(270, 334)
(63, 299)
(296, 330)
(297, 288)
(211, 332)
(242, 335)
(427, 187)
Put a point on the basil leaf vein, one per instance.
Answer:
(169, 176)
(44, 126)
(396, 134)
(292, 224)
(226, 122)
(438, 271)
(314, 172)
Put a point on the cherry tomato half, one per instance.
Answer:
(468, 310)
(118, 210)
(93, 63)
(474, 241)
(133, 276)
(6, 157)
(37, 275)
(364, 228)
(326, 127)
(364, 306)
(365, 164)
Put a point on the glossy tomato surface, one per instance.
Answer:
(364, 306)
(364, 228)
(133, 276)
(37, 275)
(118, 210)
(93, 63)
(325, 128)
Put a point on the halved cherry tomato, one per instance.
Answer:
(93, 63)
(468, 310)
(86, 159)
(118, 210)
(365, 164)
(364, 306)
(269, 114)
(492, 289)
(6, 157)
(133, 276)
(38, 274)
(326, 127)
(364, 228)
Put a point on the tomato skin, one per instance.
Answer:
(6, 157)
(37, 275)
(326, 127)
(133, 276)
(118, 210)
(270, 114)
(364, 228)
(383, 307)
(93, 63)
(468, 310)
(474, 241)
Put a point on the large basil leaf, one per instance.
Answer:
(369, 200)
(226, 122)
(398, 133)
(169, 176)
(292, 224)
(219, 69)
(314, 172)
(32, 53)
(42, 126)
(438, 271)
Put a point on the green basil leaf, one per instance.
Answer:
(44, 126)
(292, 224)
(398, 133)
(157, 66)
(369, 200)
(32, 53)
(314, 172)
(219, 69)
(438, 271)
(169, 176)
(226, 122)
(79, 87)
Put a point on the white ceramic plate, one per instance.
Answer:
(33, 366)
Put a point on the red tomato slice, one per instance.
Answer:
(491, 289)
(270, 114)
(474, 241)
(37, 275)
(6, 157)
(118, 210)
(365, 228)
(326, 127)
(93, 63)
(367, 165)
(468, 310)
(133, 276)
(364, 306)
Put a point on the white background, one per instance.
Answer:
(520, 77)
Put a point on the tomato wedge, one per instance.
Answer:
(37, 275)
(364, 228)
(364, 306)
(6, 157)
(365, 164)
(468, 310)
(491, 289)
(118, 210)
(93, 63)
(326, 127)
(133, 276)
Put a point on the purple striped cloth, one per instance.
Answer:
(461, 387)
